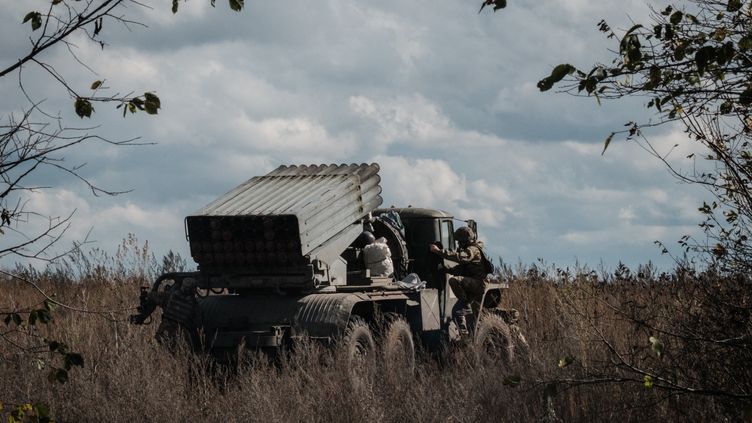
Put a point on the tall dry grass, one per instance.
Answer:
(589, 355)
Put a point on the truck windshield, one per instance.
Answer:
(447, 234)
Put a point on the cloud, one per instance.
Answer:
(299, 135)
(434, 184)
(103, 223)
(414, 120)
(444, 98)
(420, 182)
(404, 119)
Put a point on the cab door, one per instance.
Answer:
(447, 299)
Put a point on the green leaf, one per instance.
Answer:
(669, 34)
(656, 345)
(236, 5)
(745, 98)
(83, 107)
(512, 380)
(73, 359)
(151, 103)
(654, 79)
(648, 381)
(704, 56)
(724, 54)
(634, 54)
(42, 411)
(565, 361)
(590, 85)
(39, 363)
(734, 5)
(719, 34)
(49, 305)
(676, 17)
(745, 43)
(726, 107)
(607, 142)
(633, 29)
(57, 375)
(557, 74)
(44, 315)
(497, 4)
(561, 71)
(96, 84)
(35, 18)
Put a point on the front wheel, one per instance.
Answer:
(494, 344)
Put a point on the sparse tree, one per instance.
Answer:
(33, 139)
(693, 65)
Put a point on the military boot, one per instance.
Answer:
(461, 319)
(462, 325)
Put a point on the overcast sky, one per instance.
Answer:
(443, 98)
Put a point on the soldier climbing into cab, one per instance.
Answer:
(468, 277)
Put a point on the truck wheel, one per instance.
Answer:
(399, 348)
(358, 347)
(494, 344)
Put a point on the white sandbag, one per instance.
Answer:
(378, 258)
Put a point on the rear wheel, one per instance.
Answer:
(399, 348)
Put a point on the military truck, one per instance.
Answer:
(280, 259)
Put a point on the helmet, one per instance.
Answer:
(365, 238)
(464, 235)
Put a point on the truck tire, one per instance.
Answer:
(494, 344)
(178, 321)
(398, 348)
(359, 350)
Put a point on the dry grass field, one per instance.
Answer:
(591, 357)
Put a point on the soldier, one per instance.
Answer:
(468, 280)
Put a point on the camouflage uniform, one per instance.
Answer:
(468, 280)
(468, 277)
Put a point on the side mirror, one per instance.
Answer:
(472, 224)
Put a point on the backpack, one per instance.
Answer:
(488, 267)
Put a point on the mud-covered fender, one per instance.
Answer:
(315, 315)
(325, 315)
